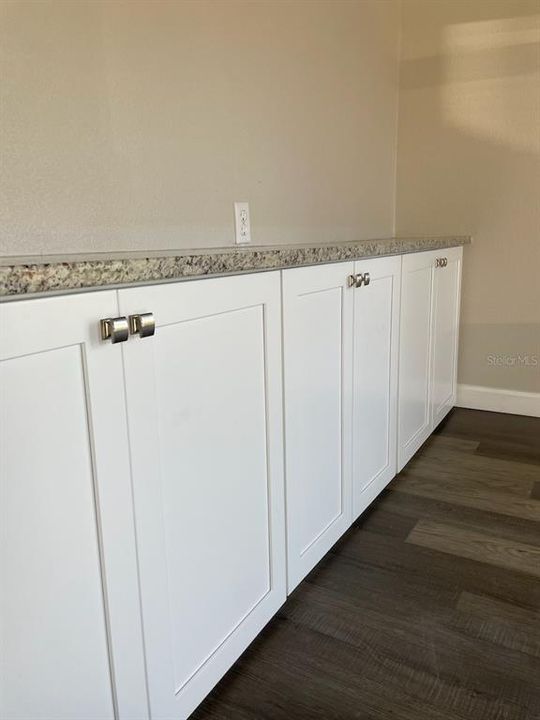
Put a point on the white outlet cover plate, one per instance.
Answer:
(242, 223)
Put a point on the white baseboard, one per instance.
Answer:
(477, 397)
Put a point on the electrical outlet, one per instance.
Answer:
(242, 223)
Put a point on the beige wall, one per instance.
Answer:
(469, 162)
(135, 125)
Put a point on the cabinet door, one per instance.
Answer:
(65, 516)
(414, 409)
(446, 302)
(205, 423)
(317, 326)
(376, 338)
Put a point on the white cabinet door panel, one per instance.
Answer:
(415, 353)
(317, 327)
(64, 477)
(376, 338)
(204, 409)
(446, 304)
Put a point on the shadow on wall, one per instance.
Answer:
(469, 162)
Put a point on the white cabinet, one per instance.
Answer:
(317, 337)
(65, 518)
(142, 487)
(430, 293)
(340, 389)
(143, 540)
(375, 375)
(446, 305)
(414, 423)
(204, 404)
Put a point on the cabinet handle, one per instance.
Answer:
(143, 324)
(114, 329)
(441, 262)
(358, 280)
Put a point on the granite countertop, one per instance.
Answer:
(23, 276)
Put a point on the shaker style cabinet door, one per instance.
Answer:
(430, 302)
(317, 352)
(204, 403)
(376, 341)
(415, 350)
(446, 304)
(68, 591)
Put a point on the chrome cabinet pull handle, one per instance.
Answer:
(114, 329)
(358, 280)
(143, 325)
(362, 279)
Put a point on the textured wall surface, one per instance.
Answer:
(136, 125)
(469, 160)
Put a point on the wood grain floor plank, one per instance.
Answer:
(299, 673)
(466, 494)
(421, 507)
(386, 522)
(400, 572)
(375, 685)
(447, 442)
(391, 584)
(500, 428)
(510, 451)
(476, 546)
(485, 473)
(501, 623)
(512, 614)
(426, 644)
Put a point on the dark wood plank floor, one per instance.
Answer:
(428, 608)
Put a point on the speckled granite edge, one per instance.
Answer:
(56, 276)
